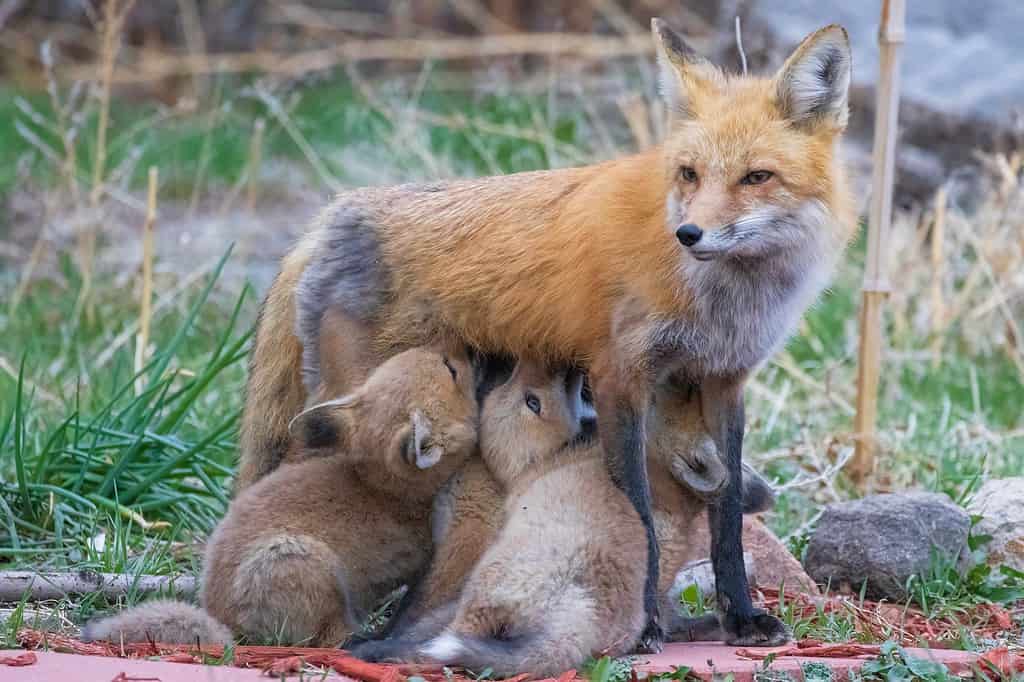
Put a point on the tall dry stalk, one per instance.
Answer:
(876, 278)
(255, 159)
(938, 259)
(146, 304)
(114, 14)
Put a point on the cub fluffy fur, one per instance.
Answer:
(305, 554)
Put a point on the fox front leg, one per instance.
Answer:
(622, 399)
(722, 403)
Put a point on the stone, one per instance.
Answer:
(770, 562)
(1000, 504)
(702, 574)
(883, 540)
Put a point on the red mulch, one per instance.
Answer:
(27, 658)
(812, 648)
(275, 660)
(883, 621)
(880, 621)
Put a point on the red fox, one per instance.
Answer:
(695, 258)
(305, 554)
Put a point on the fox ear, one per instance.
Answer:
(813, 85)
(415, 443)
(681, 71)
(323, 425)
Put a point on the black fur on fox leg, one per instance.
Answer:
(743, 624)
(629, 471)
(390, 650)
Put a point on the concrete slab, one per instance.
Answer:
(705, 659)
(52, 667)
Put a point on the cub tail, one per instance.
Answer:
(161, 620)
(505, 657)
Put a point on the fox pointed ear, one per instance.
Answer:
(323, 425)
(814, 84)
(681, 71)
(416, 446)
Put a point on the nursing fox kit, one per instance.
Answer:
(290, 562)
(693, 260)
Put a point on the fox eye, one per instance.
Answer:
(758, 177)
(451, 368)
(533, 402)
(687, 174)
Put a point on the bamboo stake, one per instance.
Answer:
(876, 280)
(146, 306)
(938, 274)
(255, 158)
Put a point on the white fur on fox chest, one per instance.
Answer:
(743, 311)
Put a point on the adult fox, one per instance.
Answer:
(695, 258)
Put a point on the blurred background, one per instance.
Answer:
(123, 329)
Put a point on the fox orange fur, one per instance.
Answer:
(695, 258)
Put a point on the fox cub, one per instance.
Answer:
(565, 576)
(304, 555)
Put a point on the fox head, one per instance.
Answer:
(751, 162)
(416, 412)
(530, 418)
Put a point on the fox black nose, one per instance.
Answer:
(689, 234)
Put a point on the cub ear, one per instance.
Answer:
(417, 449)
(323, 425)
(813, 85)
(682, 73)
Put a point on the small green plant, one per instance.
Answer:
(679, 673)
(693, 602)
(766, 674)
(817, 671)
(895, 665)
(945, 590)
(607, 669)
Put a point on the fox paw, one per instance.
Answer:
(381, 651)
(652, 639)
(758, 629)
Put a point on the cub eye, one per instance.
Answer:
(533, 402)
(758, 177)
(451, 368)
(687, 174)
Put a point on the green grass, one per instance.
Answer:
(89, 449)
(352, 138)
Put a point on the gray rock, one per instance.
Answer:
(1000, 504)
(883, 540)
(701, 573)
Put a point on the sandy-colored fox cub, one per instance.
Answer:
(565, 576)
(694, 258)
(304, 555)
(468, 516)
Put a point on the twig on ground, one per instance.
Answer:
(14, 585)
